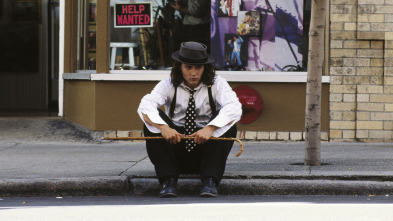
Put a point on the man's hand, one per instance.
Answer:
(170, 135)
(203, 135)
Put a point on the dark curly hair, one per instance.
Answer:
(207, 77)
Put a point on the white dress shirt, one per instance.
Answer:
(225, 99)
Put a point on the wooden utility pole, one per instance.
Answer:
(314, 82)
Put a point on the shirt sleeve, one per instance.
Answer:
(231, 108)
(151, 102)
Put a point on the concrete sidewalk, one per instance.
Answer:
(50, 157)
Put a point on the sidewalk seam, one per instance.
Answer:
(7, 148)
(121, 173)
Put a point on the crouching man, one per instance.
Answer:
(198, 104)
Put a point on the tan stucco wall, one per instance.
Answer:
(108, 105)
(284, 107)
(117, 103)
(79, 103)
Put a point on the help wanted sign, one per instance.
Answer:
(134, 14)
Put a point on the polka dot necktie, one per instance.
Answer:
(190, 121)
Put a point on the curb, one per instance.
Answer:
(120, 186)
(305, 187)
(150, 187)
(86, 186)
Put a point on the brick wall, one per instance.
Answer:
(361, 70)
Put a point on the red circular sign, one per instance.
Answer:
(251, 101)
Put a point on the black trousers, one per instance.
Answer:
(207, 160)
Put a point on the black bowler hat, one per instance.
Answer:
(192, 53)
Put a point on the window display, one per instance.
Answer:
(271, 33)
(252, 35)
(151, 46)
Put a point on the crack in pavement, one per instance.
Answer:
(121, 173)
(7, 148)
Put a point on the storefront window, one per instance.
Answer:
(86, 57)
(259, 35)
(247, 35)
(135, 46)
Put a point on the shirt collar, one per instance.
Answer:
(195, 89)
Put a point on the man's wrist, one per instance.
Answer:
(211, 127)
(162, 126)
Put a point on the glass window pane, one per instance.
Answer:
(91, 37)
(258, 35)
(249, 35)
(86, 56)
(152, 47)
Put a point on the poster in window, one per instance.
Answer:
(25, 11)
(229, 7)
(236, 52)
(248, 23)
(280, 41)
(133, 15)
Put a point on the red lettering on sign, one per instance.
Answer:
(141, 8)
(147, 19)
(132, 9)
(135, 19)
(124, 9)
(119, 19)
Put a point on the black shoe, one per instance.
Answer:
(169, 188)
(209, 188)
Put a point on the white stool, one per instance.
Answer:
(129, 45)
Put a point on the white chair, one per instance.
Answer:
(115, 46)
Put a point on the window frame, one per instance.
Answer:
(103, 73)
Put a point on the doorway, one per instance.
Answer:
(29, 58)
